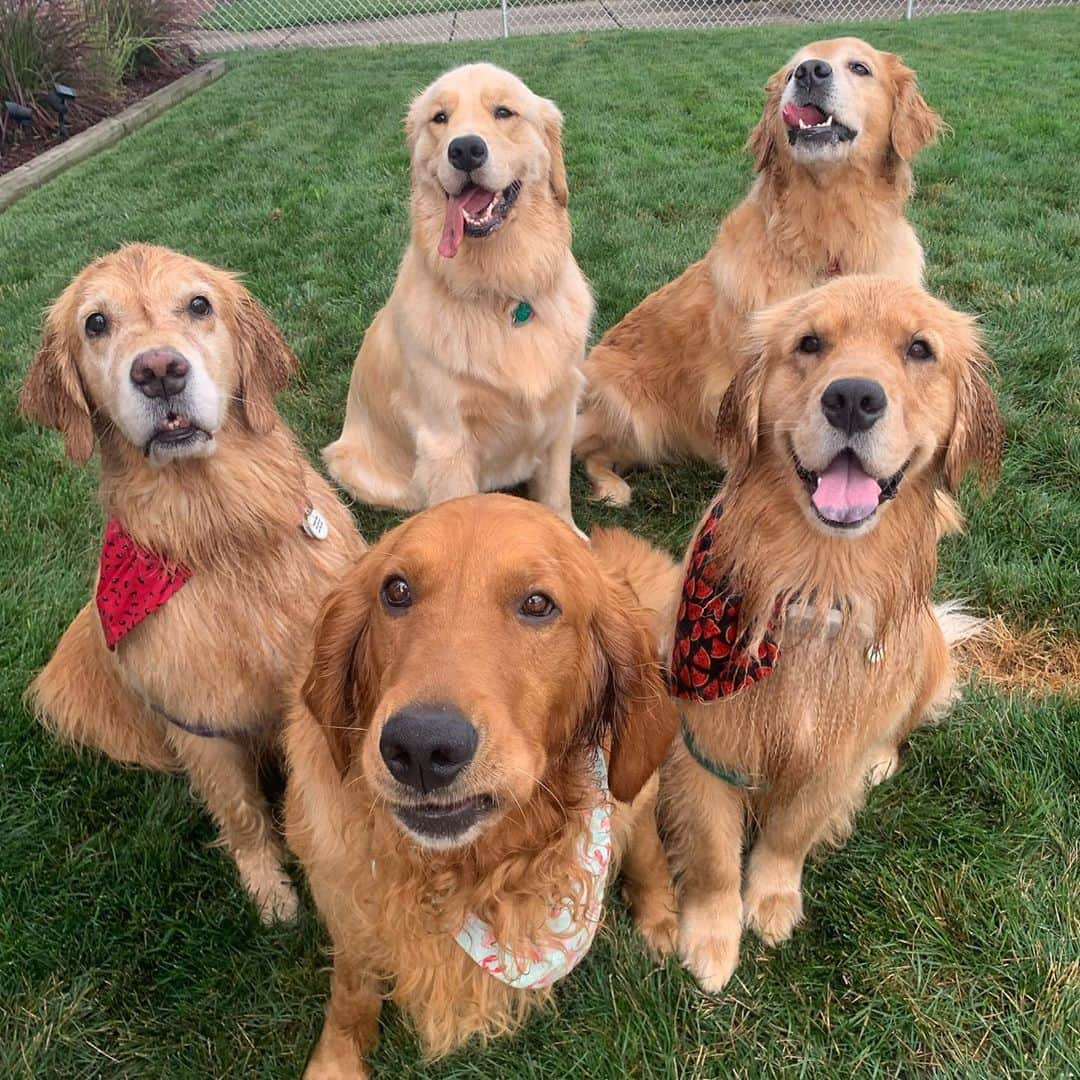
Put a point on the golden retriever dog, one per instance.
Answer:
(806, 647)
(468, 379)
(469, 676)
(841, 123)
(221, 539)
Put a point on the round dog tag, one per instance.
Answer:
(315, 525)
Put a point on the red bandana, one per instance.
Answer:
(709, 660)
(133, 582)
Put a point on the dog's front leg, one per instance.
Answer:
(445, 467)
(223, 773)
(703, 819)
(550, 484)
(351, 1028)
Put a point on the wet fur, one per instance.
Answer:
(827, 722)
(391, 906)
(656, 379)
(221, 651)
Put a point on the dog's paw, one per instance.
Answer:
(774, 915)
(613, 490)
(335, 1057)
(660, 932)
(708, 945)
(884, 766)
(270, 888)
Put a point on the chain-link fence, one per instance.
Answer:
(233, 24)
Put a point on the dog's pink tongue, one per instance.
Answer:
(473, 199)
(808, 114)
(844, 492)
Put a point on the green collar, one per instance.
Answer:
(714, 768)
(522, 313)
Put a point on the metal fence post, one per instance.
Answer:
(506, 23)
(910, 8)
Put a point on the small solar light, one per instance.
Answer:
(57, 99)
(21, 114)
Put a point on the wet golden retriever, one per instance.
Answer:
(208, 578)
(468, 379)
(441, 764)
(831, 151)
(862, 405)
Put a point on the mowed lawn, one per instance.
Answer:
(944, 939)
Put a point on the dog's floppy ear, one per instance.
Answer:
(337, 689)
(551, 127)
(737, 419)
(630, 695)
(265, 362)
(914, 123)
(762, 141)
(414, 120)
(978, 435)
(52, 393)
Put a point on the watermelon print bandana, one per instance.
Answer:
(133, 582)
(542, 967)
(709, 659)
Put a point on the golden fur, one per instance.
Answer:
(448, 395)
(655, 380)
(828, 720)
(539, 695)
(220, 652)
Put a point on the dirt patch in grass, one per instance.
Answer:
(26, 147)
(1040, 661)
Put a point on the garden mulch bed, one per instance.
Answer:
(26, 148)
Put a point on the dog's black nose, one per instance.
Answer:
(852, 405)
(160, 372)
(467, 152)
(811, 73)
(426, 746)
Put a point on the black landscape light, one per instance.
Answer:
(57, 99)
(23, 115)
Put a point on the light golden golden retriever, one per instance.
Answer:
(806, 648)
(468, 379)
(464, 673)
(841, 123)
(171, 367)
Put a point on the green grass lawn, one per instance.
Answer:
(943, 940)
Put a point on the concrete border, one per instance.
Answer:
(39, 170)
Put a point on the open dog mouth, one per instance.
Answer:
(174, 433)
(475, 212)
(445, 821)
(844, 496)
(813, 126)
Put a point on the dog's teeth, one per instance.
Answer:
(802, 123)
(828, 122)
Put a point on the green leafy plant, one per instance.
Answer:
(41, 42)
(129, 35)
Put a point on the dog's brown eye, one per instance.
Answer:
(503, 113)
(859, 68)
(920, 349)
(200, 307)
(96, 324)
(440, 117)
(396, 593)
(538, 606)
(810, 344)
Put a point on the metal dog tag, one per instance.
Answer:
(876, 653)
(315, 524)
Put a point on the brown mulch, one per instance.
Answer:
(1040, 661)
(42, 138)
